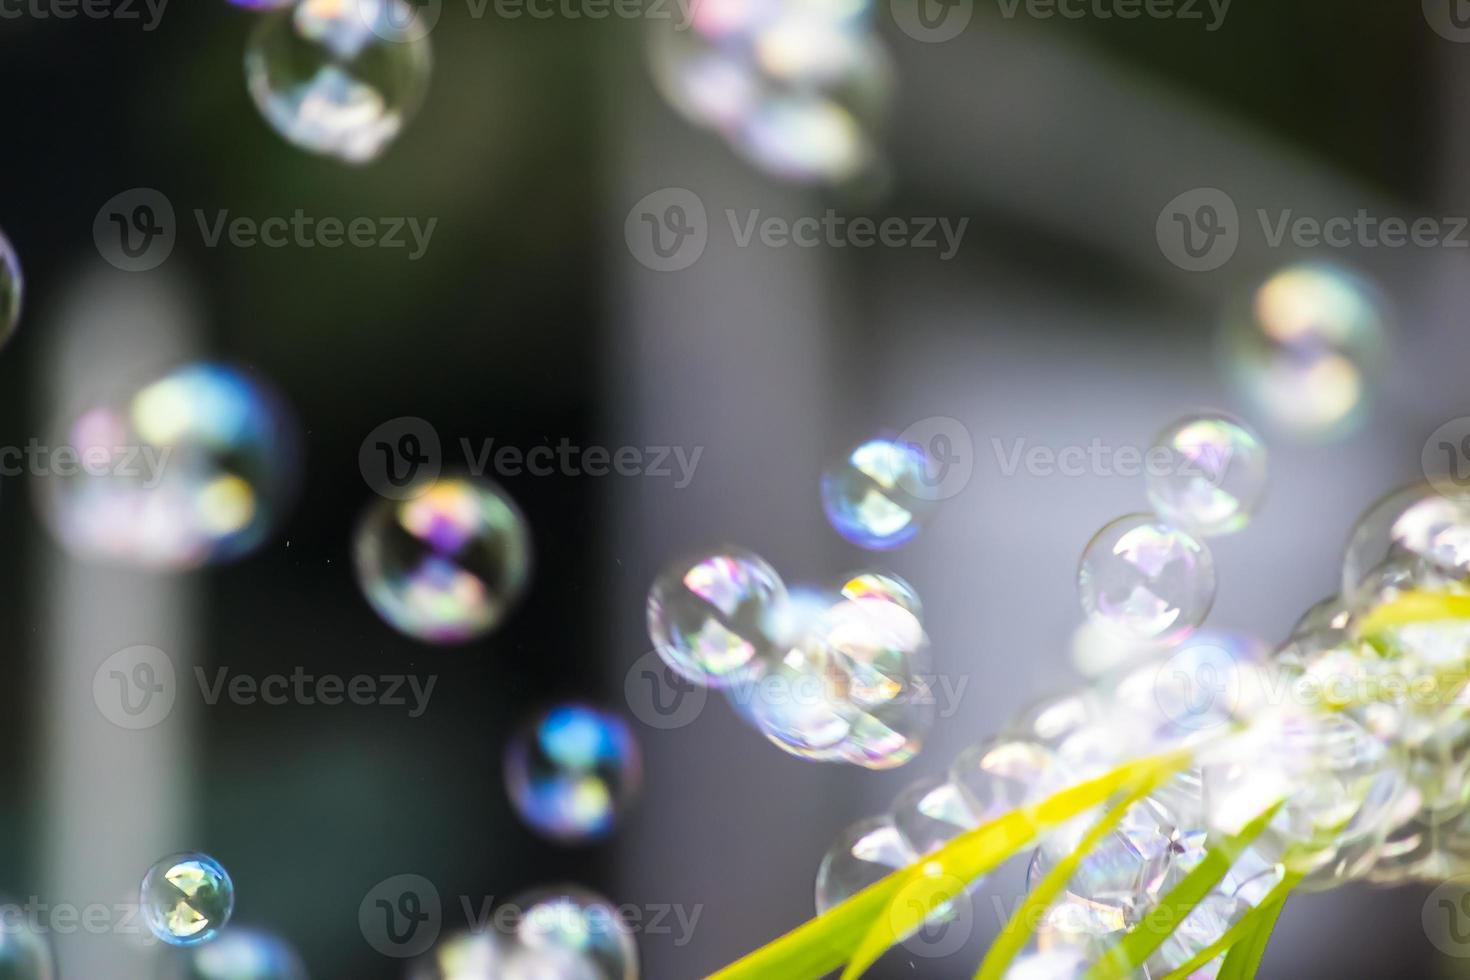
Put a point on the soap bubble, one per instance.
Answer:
(12, 285)
(572, 920)
(930, 813)
(862, 855)
(1214, 478)
(1146, 580)
(187, 899)
(1309, 346)
(883, 585)
(462, 956)
(874, 496)
(24, 952)
(1417, 523)
(192, 468)
(573, 771)
(339, 77)
(262, 4)
(708, 614)
(240, 954)
(446, 565)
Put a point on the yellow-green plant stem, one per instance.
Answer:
(1246, 926)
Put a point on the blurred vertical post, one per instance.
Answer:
(115, 799)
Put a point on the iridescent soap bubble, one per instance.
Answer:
(708, 614)
(25, 953)
(187, 899)
(1417, 523)
(577, 922)
(1146, 580)
(447, 564)
(1309, 346)
(882, 585)
(463, 956)
(12, 285)
(863, 854)
(262, 4)
(340, 77)
(573, 771)
(1207, 473)
(191, 468)
(241, 954)
(930, 813)
(875, 495)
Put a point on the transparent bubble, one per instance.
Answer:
(1417, 523)
(931, 813)
(1146, 580)
(576, 922)
(339, 77)
(12, 286)
(852, 689)
(241, 954)
(187, 899)
(1001, 775)
(874, 496)
(1214, 476)
(463, 956)
(708, 615)
(25, 953)
(862, 855)
(446, 565)
(192, 468)
(573, 771)
(523, 963)
(882, 585)
(1308, 347)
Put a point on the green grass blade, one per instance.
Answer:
(1246, 925)
(1244, 958)
(1017, 931)
(1131, 951)
(1414, 607)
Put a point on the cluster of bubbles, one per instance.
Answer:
(189, 468)
(572, 771)
(831, 676)
(446, 563)
(338, 78)
(878, 496)
(1149, 578)
(1308, 346)
(12, 285)
(1361, 741)
(560, 933)
(187, 899)
(797, 87)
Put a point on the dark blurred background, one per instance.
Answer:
(528, 321)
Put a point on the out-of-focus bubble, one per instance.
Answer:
(573, 771)
(12, 285)
(798, 88)
(187, 899)
(190, 469)
(862, 855)
(262, 4)
(463, 956)
(524, 963)
(446, 565)
(1418, 524)
(882, 585)
(1214, 476)
(708, 614)
(1308, 347)
(1063, 963)
(573, 921)
(931, 813)
(240, 954)
(874, 496)
(24, 952)
(1146, 580)
(339, 77)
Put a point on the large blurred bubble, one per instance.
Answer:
(192, 467)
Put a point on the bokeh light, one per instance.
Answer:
(241, 954)
(572, 772)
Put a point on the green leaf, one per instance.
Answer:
(1244, 958)
(1246, 925)
(1413, 607)
(1018, 928)
(1130, 952)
